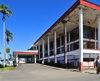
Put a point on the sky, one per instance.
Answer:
(30, 19)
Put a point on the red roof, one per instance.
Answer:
(19, 52)
(75, 5)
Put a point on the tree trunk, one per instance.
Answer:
(4, 38)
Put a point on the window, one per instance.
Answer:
(67, 38)
(52, 52)
(58, 42)
(40, 54)
(74, 46)
(71, 47)
(58, 50)
(51, 45)
(74, 34)
(62, 50)
(45, 48)
(67, 48)
(88, 32)
(88, 59)
(88, 44)
(84, 44)
(40, 48)
(62, 40)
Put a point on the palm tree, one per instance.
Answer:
(0, 53)
(5, 12)
(10, 56)
(9, 37)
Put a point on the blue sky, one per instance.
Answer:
(30, 19)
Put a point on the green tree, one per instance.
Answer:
(10, 56)
(9, 37)
(5, 12)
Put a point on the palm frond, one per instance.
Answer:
(9, 12)
(2, 6)
(7, 15)
(10, 37)
(4, 11)
(6, 6)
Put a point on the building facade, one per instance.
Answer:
(74, 39)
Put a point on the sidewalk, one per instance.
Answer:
(88, 70)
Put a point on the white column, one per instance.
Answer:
(48, 59)
(36, 47)
(43, 49)
(81, 39)
(99, 33)
(55, 59)
(69, 39)
(48, 47)
(95, 47)
(65, 30)
(95, 38)
(39, 50)
(66, 59)
(35, 59)
(55, 49)
(17, 59)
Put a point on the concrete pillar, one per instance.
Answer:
(55, 59)
(35, 59)
(95, 47)
(55, 49)
(39, 50)
(65, 32)
(36, 47)
(48, 59)
(95, 38)
(66, 59)
(65, 44)
(48, 48)
(69, 39)
(43, 49)
(80, 39)
(99, 34)
(17, 59)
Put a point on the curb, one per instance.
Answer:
(71, 70)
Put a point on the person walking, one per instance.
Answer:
(98, 64)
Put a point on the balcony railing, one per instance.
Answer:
(51, 52)
(60, 49)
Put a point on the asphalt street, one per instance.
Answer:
(36, 72)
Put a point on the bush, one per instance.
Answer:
(12, 65)
(6, 65)
(2, 66)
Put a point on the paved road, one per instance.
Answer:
(36, 72)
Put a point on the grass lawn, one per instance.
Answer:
(6, 68)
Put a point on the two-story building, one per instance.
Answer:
(74, 39)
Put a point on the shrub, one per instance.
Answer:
(2, 66)
(12, 65)
(6, 65)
